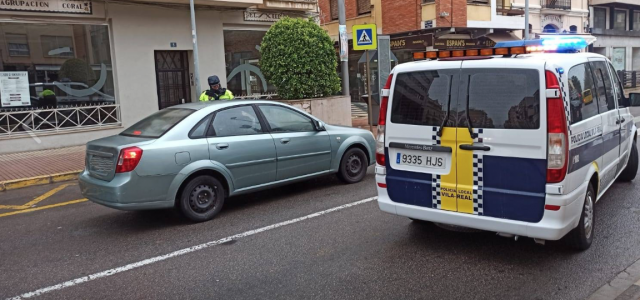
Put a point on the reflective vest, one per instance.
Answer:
(228, 95)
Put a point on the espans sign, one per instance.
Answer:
(453, 44)
(364, 37)
(48, 6)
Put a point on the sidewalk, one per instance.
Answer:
(625, 286)
(18, 170)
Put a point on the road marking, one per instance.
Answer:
(37, 199)
(45, 195)
(181, 252)
(41, 208)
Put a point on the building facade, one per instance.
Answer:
(616, 25)
(557, 16)
(419, 25)
(77, 70)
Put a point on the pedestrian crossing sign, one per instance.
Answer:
(364, 37)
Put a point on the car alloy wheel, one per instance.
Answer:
(588, 215)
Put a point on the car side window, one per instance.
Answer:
(200, 130)
(582, 93)
(282, 119)
(236, 121)
(606, 98)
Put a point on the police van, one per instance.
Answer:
(505, 139)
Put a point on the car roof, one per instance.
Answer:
(565, 60)
(221, 103)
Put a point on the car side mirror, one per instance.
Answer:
(319, 125)
(634, 99)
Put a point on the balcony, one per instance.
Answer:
(556, 4)
(615, 32)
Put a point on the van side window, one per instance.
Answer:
(606, 98)
(421, 98)
(617, 85)
(582, 92)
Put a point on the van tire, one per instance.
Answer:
(581, 237)
(353, 166)
(630, 171)
(202, 198)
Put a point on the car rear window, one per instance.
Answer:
(155, 125)
(420, 98)
(501, 98)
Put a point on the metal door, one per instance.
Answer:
(172, 78)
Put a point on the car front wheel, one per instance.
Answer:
(202, 198)
(353, 166)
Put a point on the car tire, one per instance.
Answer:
(353, 166)
(581, 237)
(630, 171)
(202, 198)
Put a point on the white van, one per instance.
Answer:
(519, 144)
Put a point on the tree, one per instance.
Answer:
(77, 70)
(299, 59)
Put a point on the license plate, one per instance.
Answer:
(427, 161)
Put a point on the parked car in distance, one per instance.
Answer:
(194, 156)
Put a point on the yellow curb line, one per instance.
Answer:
(41, 208)
(40, 180)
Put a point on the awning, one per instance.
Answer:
(502, 37)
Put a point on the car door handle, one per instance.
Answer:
(622, 120)
(222, 146)
(285, 140)
(618, 122)
(474, 147)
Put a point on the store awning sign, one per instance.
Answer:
(453, 44)
(417, 42)
(48, 6)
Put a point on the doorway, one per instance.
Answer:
(172, 78)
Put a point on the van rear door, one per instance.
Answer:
(420, 159)
(502, 139)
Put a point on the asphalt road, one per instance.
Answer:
(354, 252)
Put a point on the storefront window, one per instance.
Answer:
(242, 55)
(51, 70)
(618, 59)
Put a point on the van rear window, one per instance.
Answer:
(500, 98)
(420, 98)
(155, 125)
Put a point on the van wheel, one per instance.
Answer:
(353, 166)
(582, 236)
(629, 172)
(202, 198)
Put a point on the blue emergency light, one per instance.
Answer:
(560, 44)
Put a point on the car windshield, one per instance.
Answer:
(154, 126)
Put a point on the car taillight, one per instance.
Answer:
(382, 121)
(128, 159)
(556, 131)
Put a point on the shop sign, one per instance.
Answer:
(262, 16)
(14, 89)
(48, 6)
(418, 42)
(453, 44)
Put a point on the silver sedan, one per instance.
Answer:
(194, 156)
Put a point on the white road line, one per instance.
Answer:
(156, 259)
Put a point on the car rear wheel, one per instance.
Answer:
(582, 236)
(629, 173)
(353, 166)
(202, 198)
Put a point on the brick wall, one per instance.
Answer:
(400, 15)
(457, 15)
(351, 10)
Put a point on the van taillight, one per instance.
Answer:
(128, 159)
(557, 151)
(382, 121)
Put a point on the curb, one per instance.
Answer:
(625, 286)
(39, 180)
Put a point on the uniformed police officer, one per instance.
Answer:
(216, 92)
